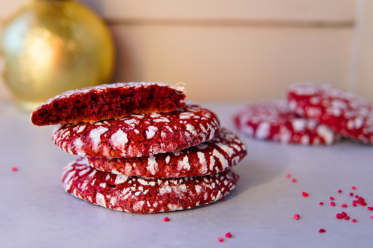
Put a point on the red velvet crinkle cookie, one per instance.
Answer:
(108, 101)
(343, 112)
(216, 155)
(139, 195)
(139, 135)
(272, 120)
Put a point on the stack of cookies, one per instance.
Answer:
(313, 114)
(141, 148)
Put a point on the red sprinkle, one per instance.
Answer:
(321, 230)
(296, 216)
(331, 198)
(347, 217)
(354, 220)
(339, 191)
(222, 199)
(14, 168)
(343, 214)
(356, 196)
(339, 216)
(344, 205)
(166, 219)
(354, 204)
(351, 194)
(293, 180)
(370, 208)
(332, 204)
(353, 187)
(371, 217)
(288, 175)
(228, 235)
(305, 194)
(321, 203)
(220, 239)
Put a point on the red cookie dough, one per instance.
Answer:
(139, 135)
(343, 112)
(139, 195)
(107, 101)
(272, 120)
(216, 155)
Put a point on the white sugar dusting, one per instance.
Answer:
(152, 165)
(120, 179)
(226, 148)
(263, 130)
(299, 124)
(221, 157)
(78, 144)
(167, 159)
(203, 162)
(95, 136)
(81, 128)
(191, 129)
(83, 172)
(183, 164)
(119, 139)
(100, 200)
(151, 132)
(326, 134)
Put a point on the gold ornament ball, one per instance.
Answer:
(51, 46)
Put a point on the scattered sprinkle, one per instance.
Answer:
(356, 196)
(293, 180)
(332, 204)
(353, 187)
(344, 205)
(354, 204)
(288, 175)
(321, 230)
(166, 219)
(220, 239)
(222, 199)
(14, 168)
(351, 194)
(331, 198)
(305, 194)
(321, 203)
(339, 216)
(370, 208)
(371, 217)
(339, 191)
(354, 220)
(344, 214)
(347, 217)
(296, 216)
(228, 235)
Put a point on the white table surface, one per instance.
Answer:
(36, 212)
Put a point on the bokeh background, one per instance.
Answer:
(237, 50)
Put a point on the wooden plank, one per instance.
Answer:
(232, 64)
(274, 10)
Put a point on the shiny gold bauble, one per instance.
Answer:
(51, 46)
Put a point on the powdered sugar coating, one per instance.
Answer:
(272, 120)
(138, 135)
(341, 111)
(139, 195)
(226, 148)
(107, 101)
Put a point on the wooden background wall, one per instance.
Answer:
(238, 50)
